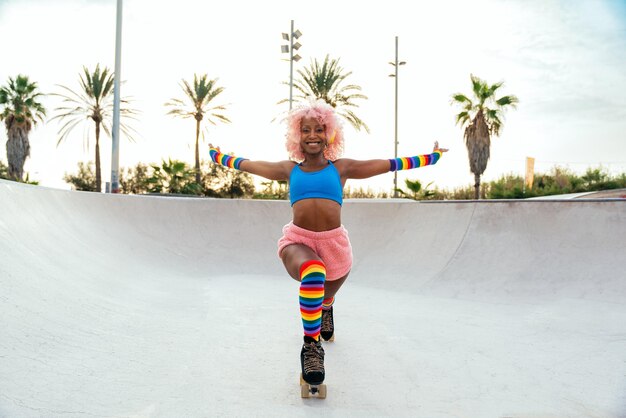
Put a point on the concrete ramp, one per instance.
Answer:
(136, 306)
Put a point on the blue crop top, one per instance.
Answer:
(323, 184)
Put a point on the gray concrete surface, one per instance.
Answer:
(135, 306)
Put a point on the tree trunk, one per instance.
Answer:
(198, 180)
(478, 142)
(476, 186)
(18, 149)
(98, 172)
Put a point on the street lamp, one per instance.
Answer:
(396, 64)
(289, 49)
(115, 132)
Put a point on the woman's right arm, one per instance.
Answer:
(270, 170)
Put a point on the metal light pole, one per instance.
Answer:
(396, 64)
(115, 134)
(289, 48)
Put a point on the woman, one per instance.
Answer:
(315, 247)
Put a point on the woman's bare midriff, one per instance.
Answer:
(317, 214)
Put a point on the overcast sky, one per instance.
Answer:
(565, 61)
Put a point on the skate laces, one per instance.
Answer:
(327, 320)
(313, 357)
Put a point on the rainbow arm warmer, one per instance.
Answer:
(407, 163)
(225, 160)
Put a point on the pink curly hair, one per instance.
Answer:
(325, 115)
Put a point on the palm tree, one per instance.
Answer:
(198, 106)
(21, 112)
(323, 81)
(95, 102)
(482, 117)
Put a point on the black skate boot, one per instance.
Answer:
(328, 325)
(312, 361)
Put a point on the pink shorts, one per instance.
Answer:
(333, 247)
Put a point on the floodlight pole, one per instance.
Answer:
(396, 64)
(395, 152)
(289, 48)
(291, 67)
(115, 133)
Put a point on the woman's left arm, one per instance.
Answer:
(359, 169)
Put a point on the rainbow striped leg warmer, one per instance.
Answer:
(328, 303)
(229, 161)
(407, 163)
(312, 278)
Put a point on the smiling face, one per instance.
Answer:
(313, 138)
(306, 119)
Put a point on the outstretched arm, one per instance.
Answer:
(356, 169)
(270, 170)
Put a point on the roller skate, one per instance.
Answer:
(328, 325)
(312, 376)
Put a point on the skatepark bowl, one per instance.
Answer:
(144, 306)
